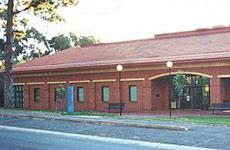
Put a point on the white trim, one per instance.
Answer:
(35, 83)
(80, 81)
(18, 83)
(57, 82)
(144, 144)
(133, 79)
(224, 76)
(106, 80)
(183, 72)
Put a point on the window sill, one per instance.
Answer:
(133, 102)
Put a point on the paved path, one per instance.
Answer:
(198, 135)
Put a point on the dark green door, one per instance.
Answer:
(18, 96)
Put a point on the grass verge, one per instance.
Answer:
(208, 120)
(90, 113)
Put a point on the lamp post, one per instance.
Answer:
(119, 69)
(169, 64)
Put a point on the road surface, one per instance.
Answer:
(199, 136)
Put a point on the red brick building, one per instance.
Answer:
(203, 55)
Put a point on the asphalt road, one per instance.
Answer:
(19, 140)
(199, 135)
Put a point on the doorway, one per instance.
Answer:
(196, 93)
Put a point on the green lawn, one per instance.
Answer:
(210, 120)
(90, 113)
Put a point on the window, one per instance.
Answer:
(59, 94)
(105, 93)
(80, 94)
(133, 93)
(36, 94)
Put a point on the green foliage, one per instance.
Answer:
(44, 9)
(1, 49)
(1, 44)
(29, 43)
(179, 82)
(84, 40)
(60, 94)
(60, 42)
(3, 14)
(23, 9)
(33, 45)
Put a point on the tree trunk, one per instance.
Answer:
(8, 75)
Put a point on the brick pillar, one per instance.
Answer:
(26, 97)
(216, 90)
(146, 95)
(92, 94)
(46, 97)
(117, 88)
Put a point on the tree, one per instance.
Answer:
(41, 45)
(60, 42)
(179, 82)
(46, 10)
(83, 40)
(86, 40)
(8, 52)
(33, 45)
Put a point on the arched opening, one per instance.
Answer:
(196, 93)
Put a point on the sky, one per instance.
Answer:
(121, 20)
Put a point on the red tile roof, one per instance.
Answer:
(191, 45)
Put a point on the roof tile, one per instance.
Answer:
(214, 44)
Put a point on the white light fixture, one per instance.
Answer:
(119, 67)
(169, 64)
(206, 88)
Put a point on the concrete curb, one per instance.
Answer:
(99, 122)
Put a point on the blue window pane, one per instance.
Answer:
(133, 93)
(105, 94)
(80, 94)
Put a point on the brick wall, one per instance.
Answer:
(152, 94)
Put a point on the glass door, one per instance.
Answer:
(196, 93)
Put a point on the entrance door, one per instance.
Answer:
(192, 98)
(18, 96)
(186, 99)
(197, 97)
(196, 93)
